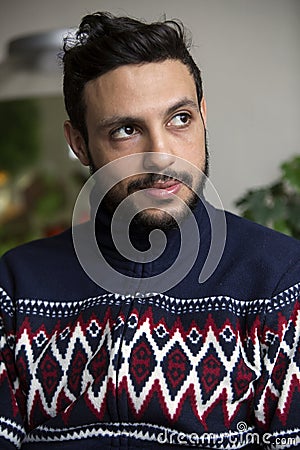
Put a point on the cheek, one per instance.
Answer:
(100, 151)
(192, 149)
(101, 158)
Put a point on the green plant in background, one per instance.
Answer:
(19, 135)
(276, 205)
(42, 212)
(38, 181)
(19, 151)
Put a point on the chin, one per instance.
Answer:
(166, 218)
(155, 219)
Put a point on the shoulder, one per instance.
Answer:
(40, 251)
(260, 238)
(33, 259)
(45, 268)
(260, 259)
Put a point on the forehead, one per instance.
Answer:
(137, 89)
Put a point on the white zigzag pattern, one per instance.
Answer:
(154, 433)
(119, 346)
(138, 399)
(192, 378)
(64, 309)
(12, 436)
(293, 370)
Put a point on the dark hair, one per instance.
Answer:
(104, 42)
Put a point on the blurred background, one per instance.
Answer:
(249, 55)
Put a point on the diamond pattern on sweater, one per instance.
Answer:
(170, 362)
(176, 368)
(211, 372)
(141, 363)
(49, 374)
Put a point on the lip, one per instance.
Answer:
(163, 190)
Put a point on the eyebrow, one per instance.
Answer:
(181, 104)
(115, 120)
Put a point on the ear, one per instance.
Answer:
(203, 110)
(76, 143)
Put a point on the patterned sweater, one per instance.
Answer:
(202, 365)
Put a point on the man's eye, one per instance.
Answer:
(180, 120)
(124, 132)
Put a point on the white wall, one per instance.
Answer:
(250, 59)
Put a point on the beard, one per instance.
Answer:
(165, 214)
(164, 220)
(169, 212)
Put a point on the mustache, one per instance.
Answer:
(151, 178)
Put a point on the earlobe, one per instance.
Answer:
(76, 143)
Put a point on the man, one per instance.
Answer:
(211, 364)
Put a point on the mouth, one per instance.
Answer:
(163, 189)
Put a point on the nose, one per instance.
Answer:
(158, 155)
(158, 161)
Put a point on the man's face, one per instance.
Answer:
(150, 109)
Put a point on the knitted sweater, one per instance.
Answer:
(205, 365)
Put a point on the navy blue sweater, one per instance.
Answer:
(204, 365)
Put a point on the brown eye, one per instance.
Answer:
(124, 132)
(128, 130)
(180, 120)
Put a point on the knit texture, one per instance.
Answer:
(212, 365)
